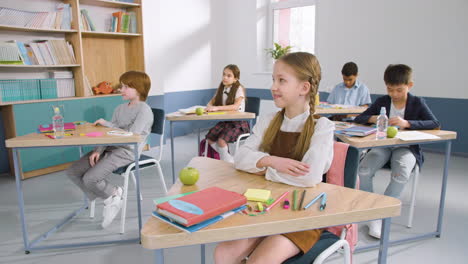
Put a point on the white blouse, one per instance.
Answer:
(319, 156)
(239, 93)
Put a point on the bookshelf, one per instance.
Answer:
(100, 56)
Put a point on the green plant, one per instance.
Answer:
(278, 51)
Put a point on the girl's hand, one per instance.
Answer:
(289, 166)
(100, 121)
(94, 158)
(398, 121)
(212, 108)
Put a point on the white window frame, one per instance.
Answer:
(283, 5)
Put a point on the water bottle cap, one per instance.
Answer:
(56, 110)
(383, 111)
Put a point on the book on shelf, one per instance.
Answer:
(36, 89)
(39, 52)
(9, 53)
(58, 19)
(360, 131)
(194, 208)
(123, 22)
(86, 22)
(203, 224)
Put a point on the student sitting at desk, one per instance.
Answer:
(289, 146)
(90, 172)
(230, 96)
(406, 111)
(350, 91)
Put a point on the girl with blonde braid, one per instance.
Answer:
(290, 147)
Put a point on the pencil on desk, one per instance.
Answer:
(294, 200)
(302, 199)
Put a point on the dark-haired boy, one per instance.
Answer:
(350, 91)
(406, 111)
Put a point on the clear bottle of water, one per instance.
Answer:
(382, 123)
(58, 124)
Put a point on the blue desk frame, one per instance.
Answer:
(31, 245)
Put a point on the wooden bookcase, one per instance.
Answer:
(100, 56)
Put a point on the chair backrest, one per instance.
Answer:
(351, 167)
(158, 122)
(252, 105)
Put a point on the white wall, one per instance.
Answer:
(428, 35)
(184, 44)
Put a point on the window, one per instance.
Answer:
(292, 22)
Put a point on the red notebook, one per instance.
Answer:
(202, 205)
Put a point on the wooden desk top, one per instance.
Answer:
(337, 111)
(40, 140)
(344, 205)
(229, 115)
(370, 141)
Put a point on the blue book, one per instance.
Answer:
(360, 131)
(200, 225)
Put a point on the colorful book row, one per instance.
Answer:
(58, 19)
(35, 89)
(39, 52)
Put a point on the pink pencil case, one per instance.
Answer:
(50, 127)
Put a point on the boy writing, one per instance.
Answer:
(350, 91)
(406, 111)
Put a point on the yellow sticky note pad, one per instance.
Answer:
(257, 195)
(216, 113)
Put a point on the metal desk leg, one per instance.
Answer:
(172, 150)
(448, 148)
(198, 149)
(159, 256)
(137, 176)
(202, 253)
(19, 191)
(384, 240)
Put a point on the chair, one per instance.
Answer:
(144, 162)
(330, 243)
(252, 106)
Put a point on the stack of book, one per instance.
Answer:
(39, 52)
(65, 83)
(123, 22)
(360, 131)
(200, 209)
(59, 19)
(36, 89)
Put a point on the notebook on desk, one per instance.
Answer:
(360, 131)
(202, 205)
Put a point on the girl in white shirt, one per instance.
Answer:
(289, 147)
(230, 96)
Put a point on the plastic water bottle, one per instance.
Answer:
(382, 122)
(58, 124)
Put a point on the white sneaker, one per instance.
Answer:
(375, 228)
(112, 207)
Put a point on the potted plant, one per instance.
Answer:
(278, 51)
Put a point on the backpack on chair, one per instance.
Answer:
(210, 152)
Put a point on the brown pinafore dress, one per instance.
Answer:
(283, 146)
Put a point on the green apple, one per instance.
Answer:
(392, 131)
(189, 175)
(199, 111)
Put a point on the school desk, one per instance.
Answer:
(370, 142)
(344, 205)
(224, 116)
(35, 140)
(335, 110)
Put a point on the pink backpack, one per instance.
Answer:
(211, 153)
(335, 175)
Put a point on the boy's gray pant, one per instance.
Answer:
(92, 180)
(402, 163)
